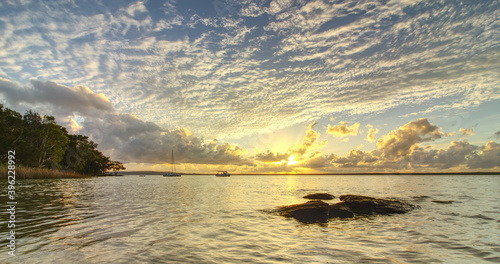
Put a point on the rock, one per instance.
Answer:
(319, 196)
(310, 212)
(442, 202)
(420, 197)
(315, 211)
(319, 212)
(340, 210)
(365, 205)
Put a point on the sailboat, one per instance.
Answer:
(172, 173)
(222, 174)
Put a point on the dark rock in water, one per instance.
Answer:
(310, 212)
(442, 202)
(421, 197)
(479, 216)
(340, 210)
(364, 205)
(319, 212)
(319, 196)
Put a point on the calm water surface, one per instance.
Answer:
(205, 219)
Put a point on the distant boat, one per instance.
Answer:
(222, 174)
(172, 173)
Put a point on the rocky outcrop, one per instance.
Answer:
(319, 196)
(310, 212)
(319, 212)
(340, 210)
(364, 205)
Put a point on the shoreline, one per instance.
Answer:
(36, 173)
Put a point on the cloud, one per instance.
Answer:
(78, 99)
(458, 153)
(371, 133)
(269, 156)
(497, 134)
(466, 132)
(356, 158)
(343, 129)
(123, 136)
(253, 68)
(399, 143)
(217, 69)
(401, 150)
(319, 161)
(74, 127)
(130, 139)
(309, 142)
(488, 158)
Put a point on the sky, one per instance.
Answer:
(263, 86)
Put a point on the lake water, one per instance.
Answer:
(205, 219)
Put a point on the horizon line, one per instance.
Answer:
(332, 173)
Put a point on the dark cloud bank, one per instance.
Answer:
(123, 136)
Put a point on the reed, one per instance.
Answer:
(36, 173)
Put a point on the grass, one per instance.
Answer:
(35, 173)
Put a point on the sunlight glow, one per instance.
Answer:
(291, 161)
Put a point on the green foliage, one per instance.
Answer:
(82, 156)
(46, 141)
(42, 143)
(115, 166)
(30, 152)
(11, 132)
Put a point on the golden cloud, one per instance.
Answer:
(400, 142)
(343, 129)
(371, 134)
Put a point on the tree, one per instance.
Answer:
(97, 165)
(82, 156)
(42, 143)
(115, 166)
(31, 152)
(11, 132)
(54, 140)
(46, 141)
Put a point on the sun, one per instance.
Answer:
(291, 161)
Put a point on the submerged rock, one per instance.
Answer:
(365, 205)
(319, 212)
(479, 216)
(340, 210)
(319, 196)
(310, 212)
(442, 202)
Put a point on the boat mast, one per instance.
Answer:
(173, 165)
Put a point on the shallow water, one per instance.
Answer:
(206, 219)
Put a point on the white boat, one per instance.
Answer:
(222, 174)
(172, 173)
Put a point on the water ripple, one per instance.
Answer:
(197, 219)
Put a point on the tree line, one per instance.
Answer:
(42, 143)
